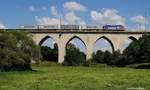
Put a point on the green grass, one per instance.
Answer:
(56, 77)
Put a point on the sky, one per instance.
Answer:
(130, 13)
(133, 14)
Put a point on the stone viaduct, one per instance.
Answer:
(88, 37)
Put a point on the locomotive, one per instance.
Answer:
(113, 28)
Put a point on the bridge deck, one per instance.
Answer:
(85, 31)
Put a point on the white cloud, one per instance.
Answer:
(2, 26)
(139, 23)
(68, 18)
(71, 18)
(107, 16)
(138, 19)
(31, 8)
(55, 20)
(54, 11)
(74, 6)
(138, 27)
(47, 20)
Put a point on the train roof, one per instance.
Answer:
(113, 26)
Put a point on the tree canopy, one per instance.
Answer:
(74, 57)
(49, 54)
(17, 50)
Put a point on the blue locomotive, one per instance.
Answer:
(113, 28)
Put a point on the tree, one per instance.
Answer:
(98, 57)
(132, 52)
(107, 57)
(116, 59)
(145, 49)
(26, 44)
(17, 50)
(138, 51)
(50, 54)
(74, 57)
(55, 52)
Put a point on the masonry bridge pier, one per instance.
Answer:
(88, 37)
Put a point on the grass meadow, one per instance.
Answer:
(52, 76)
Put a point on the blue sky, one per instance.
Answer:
(30, 12)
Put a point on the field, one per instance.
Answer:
(51, 76)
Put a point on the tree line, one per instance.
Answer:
(137, 53)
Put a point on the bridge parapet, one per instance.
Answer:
(81, 31)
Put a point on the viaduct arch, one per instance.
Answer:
(108, 40)
(44, 39)
(77, 38)
(62, 38)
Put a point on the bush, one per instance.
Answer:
(116, 59)
(138, 51)
(98, 57)
(140, 66)
(49, 54)
(73, 56)
(16, 51)
(108, 58)
(88, 63)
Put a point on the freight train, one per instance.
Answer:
(77, 27)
